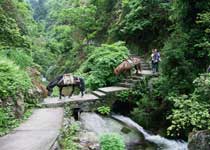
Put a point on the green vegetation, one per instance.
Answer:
(91, 37)
(12, 80)
(9, 121)
(16, 100)
(192, 112)
(112, 141)
(68, 136)
(14, 85)
(98, 68)
(104, 110)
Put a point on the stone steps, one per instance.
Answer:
(112, 89)
(39, 132)
(98, 93)
(130, 80)
(126, 84)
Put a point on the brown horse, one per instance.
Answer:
(128, 64)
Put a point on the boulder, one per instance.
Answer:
(35, 76)
(199, 140)
(19, 105)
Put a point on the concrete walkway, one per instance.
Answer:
(39, 132)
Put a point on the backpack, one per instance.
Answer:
(156, 57)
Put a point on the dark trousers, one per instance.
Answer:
(155, 67)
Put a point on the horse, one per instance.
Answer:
(128, 64)
(60, 83)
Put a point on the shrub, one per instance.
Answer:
(191, 112)
(202, 87)
(98, 68)
(112, 141)
(12, 80)
(19, 56)
(67, 139)
(104, 110)
(8, 120)
(188, 114)
(14, 85)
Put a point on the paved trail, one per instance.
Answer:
(39, 132)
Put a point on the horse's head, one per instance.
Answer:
(49, 91)
(116, 71)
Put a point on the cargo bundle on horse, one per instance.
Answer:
(128, 64)
(65, 81)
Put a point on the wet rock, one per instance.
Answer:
(39, 90)
(199, 140)
(19, 106)
(88, 140)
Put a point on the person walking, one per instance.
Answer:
(155, 61)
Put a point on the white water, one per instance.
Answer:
(163, 143)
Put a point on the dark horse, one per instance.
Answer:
(59, 82)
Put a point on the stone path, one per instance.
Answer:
(39, 132)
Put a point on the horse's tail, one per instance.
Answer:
(82, 84)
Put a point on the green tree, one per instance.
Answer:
(143, 23)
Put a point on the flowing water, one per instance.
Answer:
(161, 142)
(99, 125)
(135, 137)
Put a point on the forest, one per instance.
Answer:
(41, 39)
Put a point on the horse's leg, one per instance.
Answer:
(71, 91)
(136, 67)
(60, 92)
(81, 90)
(140, 67)
(129, 72)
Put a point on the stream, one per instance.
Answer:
(135, 137)
(161, 142)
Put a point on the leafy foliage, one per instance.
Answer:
(18, 56)
(191, 112)
(104, 110)
(188, 113)
(184, 53)
(8, 120)
(98, 68)
(67, 139)
(143, 23)
(112, 141)
(12, 80)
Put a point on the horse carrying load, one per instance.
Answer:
(128, 64)
(66, 80)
